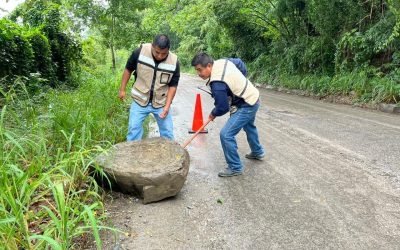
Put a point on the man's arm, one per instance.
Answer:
(170, 96)
(130, 67)
(125, 79)
(220, 94)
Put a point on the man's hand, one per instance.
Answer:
(211, 117)
(121, 94)
(170, 95)
(163, 114)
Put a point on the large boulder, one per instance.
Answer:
(154, 168)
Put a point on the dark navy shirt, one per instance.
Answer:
(239, 65)
(220, 92)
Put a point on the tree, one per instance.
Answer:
(117, 21)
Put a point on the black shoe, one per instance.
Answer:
(255, 157)
(228, 173)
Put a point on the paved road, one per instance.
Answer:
(331, 180)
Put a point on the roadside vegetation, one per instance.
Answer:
(48, 142)
(60, 67)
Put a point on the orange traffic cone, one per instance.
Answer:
(197, 117)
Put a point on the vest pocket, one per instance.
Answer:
(161, 98)
(143, 88)
(140, 92)
(165, 78)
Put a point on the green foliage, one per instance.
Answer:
(337, 39)
(45, 44)
(65, 49)
(244, 28)
(387, 89)
(78, 116)
(192, 27)
(42, 54)
(116, 21)
(93, 53)
(308, 38)
(395, 8)
(16, 51)
(363, 86)
(360, 49)
(49, 143)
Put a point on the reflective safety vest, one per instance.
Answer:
(225, 71)
(149, 76)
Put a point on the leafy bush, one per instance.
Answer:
(16, 54)
(44, 45)
(42, 54)
(65, 49)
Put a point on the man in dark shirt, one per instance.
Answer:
(131, 66)
(157, 74)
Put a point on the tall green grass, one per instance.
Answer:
(48, 199)
(362, 86)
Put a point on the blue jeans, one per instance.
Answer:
(243, 118)
(137, 115)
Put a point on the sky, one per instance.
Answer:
(8, 6)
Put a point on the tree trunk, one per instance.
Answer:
(112, 44)
(113, 57)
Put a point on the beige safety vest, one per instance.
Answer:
(148, 75)
(225, 71)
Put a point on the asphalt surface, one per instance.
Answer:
(330, 180)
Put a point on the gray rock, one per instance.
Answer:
(154, 168)
(389, 108)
